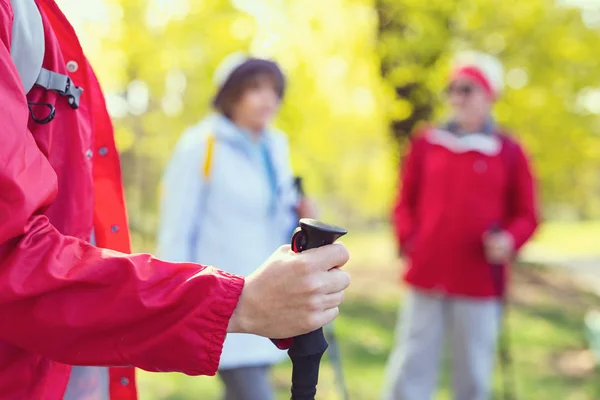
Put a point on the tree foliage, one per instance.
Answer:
(358, 70)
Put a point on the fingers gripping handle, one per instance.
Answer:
(310, 234)
(306, 350)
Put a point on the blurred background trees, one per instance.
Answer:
(552, 101)
(361, 74)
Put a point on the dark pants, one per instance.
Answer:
(247, 383)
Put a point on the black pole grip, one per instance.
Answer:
(307, 350)
(306, 353)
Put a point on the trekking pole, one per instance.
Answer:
(298, 183)
(508, 380)
(336, 361)
(306, 350)
(334, 348)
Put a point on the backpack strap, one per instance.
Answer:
(205, 172)
(208, 157)
(27, 45)
(27, 49)
(60, 84)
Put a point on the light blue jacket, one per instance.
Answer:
(234, 221)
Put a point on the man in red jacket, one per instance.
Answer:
(64, 301)
(466, 205)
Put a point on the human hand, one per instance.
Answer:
(499, 247)
(292, 293)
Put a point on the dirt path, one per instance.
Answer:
(585, 269)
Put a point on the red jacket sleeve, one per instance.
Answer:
(406, 201)
(77, 304)
(524, 216)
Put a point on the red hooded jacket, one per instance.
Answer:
(62, 300)
(452, 191)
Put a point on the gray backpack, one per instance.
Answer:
(27, 50)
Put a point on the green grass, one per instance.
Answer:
(545, 324)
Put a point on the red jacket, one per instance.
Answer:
(452, 191)
(63, 301)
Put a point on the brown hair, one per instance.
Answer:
(248, 75)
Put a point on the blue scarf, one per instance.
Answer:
(256, 148)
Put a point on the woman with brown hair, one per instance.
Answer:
(240, 203)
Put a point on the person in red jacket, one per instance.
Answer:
(64, 301)
(466, 205)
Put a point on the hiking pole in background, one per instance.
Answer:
(334, 348)
(299, 186)
(306, 350)
(508, 381)
(336, 361)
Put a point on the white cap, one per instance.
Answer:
(488, 66)
(227, 66)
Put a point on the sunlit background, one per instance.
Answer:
(361, 75)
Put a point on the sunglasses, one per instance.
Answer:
(463, 90)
